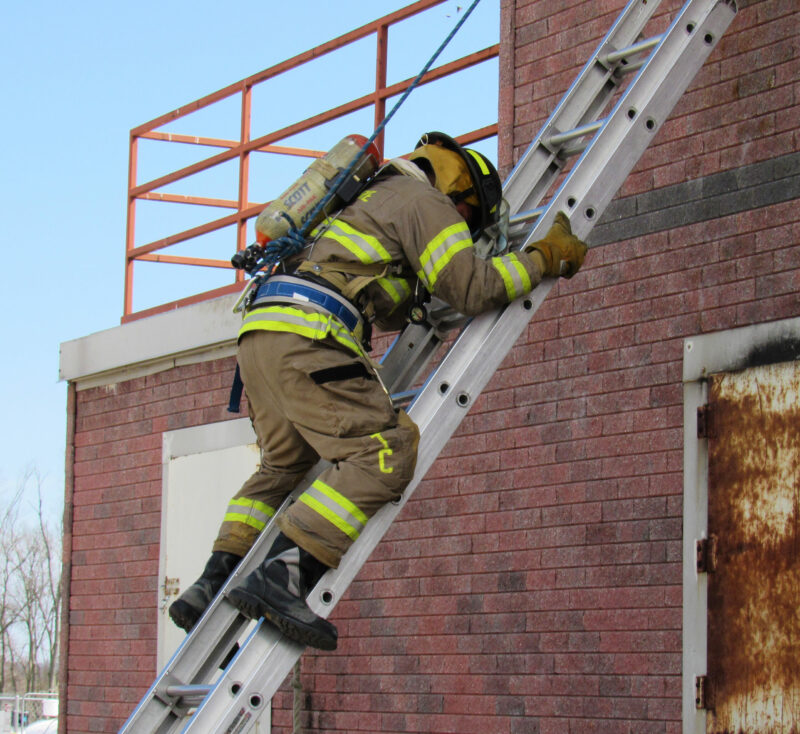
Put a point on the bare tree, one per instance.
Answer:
(31, 598)
(9, 609)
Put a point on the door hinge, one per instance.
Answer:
(705, 422)
(171, 586)
(706, 554)
(701, 692)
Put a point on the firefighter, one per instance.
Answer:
(314, 393)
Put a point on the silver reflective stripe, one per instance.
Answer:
(441, 249)
(310, 325)
(323, 499)
(398, 289)
(515, 277)
(250, 512)
(366, 248)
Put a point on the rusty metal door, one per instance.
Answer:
(753, 680)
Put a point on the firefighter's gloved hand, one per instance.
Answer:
(561, 251)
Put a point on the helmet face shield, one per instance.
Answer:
(475, 181)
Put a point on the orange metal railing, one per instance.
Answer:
(242, 208)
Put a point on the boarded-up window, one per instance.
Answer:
(753, 513)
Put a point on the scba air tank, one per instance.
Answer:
(301, 198)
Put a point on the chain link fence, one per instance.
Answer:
(31, 713)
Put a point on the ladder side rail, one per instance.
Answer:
(596, 80)
(199, 655)
(237, 700)
(591, 185)
(212, 637)
(408, 356)
(224, 706)
(239, 697)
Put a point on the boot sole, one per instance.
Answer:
(254, 607)
(183, 615)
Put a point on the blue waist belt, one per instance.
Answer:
(286, 288)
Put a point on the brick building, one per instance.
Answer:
(543, 578)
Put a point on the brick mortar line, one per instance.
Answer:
(719, 195)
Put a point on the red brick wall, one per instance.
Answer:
(116, 522)
(741, 107)
(533, 584)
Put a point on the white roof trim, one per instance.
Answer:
(199, 328)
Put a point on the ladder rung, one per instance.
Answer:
(630, 68)
(577, 132)
(572, 150)
(632, 50)
(404, 397)
(189, 692)
(610, 59)
(527, 216)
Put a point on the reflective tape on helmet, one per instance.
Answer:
(250, 512)
(441, 250)
(514, 275)
(335, 508)
(293, 320)
(365, 247)
(479, 160)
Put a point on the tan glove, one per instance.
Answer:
(561, 251)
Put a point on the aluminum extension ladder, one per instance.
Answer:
(190, 694)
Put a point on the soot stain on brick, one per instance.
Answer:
(785, 349)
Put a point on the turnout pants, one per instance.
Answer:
(308, 399)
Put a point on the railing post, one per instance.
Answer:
(382, 55)
(244, 172)
(131, 225)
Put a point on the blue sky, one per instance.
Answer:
(76, 77)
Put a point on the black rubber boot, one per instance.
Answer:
(189, 606)
(277, 589)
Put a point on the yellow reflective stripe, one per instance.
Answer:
(398, 289)
(293, 320)
(330, 516)
(365, 247)
(515, 277)
(257, 505)
(285, 318)
(481, 163)
(250, 512)
(335, 508)
(441, 250)
(340, 500)
(246, 519)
